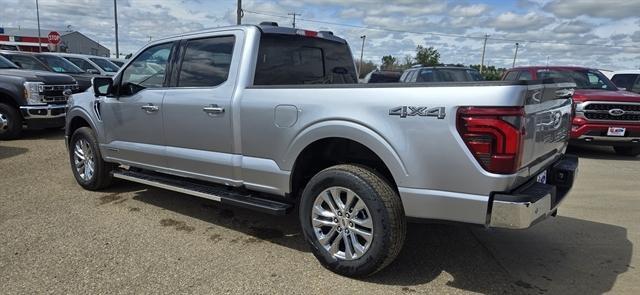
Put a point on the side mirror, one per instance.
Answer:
(102, 86)
(93, 71)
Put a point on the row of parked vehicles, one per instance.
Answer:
(35, 87)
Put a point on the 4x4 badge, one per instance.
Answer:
(404, 111)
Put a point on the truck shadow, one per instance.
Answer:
(559, 256)
(10, 151)
(48, 134)
(598, 153)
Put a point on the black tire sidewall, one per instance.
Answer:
(15, 121)
(100, 169)
(376, 254)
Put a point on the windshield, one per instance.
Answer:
(59, 64)
(584, 79)
(104, 64)
(6, 64)
(27, 62)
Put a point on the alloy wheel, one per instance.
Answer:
(83, 158)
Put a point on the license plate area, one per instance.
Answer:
(542, 177)
(616, 131)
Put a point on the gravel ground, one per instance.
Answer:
(57, 238)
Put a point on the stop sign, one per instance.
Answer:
(54, 37)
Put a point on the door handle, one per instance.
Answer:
(213, 109)
(150, 108)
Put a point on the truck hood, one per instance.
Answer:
(39, 76)
(581, 95)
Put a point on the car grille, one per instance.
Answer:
(54, 93)
(600, 111)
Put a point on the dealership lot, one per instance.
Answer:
(58, 238)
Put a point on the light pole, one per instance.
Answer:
(515, 56)
(484, 47)
(115, 18)
(39, 35)
(294, 18)
(239, 13)
(363, 37)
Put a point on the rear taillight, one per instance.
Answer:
(494, 136)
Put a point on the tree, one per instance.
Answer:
(427, 56)
(367, 67)
(389, 63)
(490, 73)
(408, 62)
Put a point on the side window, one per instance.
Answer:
(81, 63)
(147, 70)
(624, 80)
(206, 62)
(412, 76)
(403, 78)
(525, 75)
(511, 76)
(425, 75)
(636, 86)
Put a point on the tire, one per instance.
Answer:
(382, 210)
(10, 122)
(627, 151)
(84, 143)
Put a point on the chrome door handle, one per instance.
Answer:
(213, 109)
(150, 108)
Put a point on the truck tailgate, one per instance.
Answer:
(548, 111)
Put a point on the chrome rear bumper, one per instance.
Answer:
(534, 201)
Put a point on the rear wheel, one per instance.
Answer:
(353, 220)
(89, 170)
(10, 122)
(627, 150)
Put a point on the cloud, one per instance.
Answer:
(510, 21)
(573, 27)
(612, 9)
(469, 10)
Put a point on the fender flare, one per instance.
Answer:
(351, 131)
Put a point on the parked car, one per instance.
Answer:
(440, 74)
(604, 114)
(51, 63)
(629, 80)
(382, 77)
(267, 117)
(91, 64)
(33, 99)
(118, 61)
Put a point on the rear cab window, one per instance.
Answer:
(285, 59)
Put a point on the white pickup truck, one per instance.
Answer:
(272, 118)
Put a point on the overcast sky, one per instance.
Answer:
(455, 28)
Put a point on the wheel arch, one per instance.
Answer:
(338, 142)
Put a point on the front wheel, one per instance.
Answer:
(627, 151)
(353, 220)
(90, 171)
(10, 122)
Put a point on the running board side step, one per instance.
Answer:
(213, 192)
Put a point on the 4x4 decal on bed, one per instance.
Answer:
(404, 111)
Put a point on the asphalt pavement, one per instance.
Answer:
(58, 238)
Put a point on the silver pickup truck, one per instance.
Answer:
(272, 118)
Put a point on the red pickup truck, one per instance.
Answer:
(604, 114)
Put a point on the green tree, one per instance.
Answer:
(490, 73)
(367, 67)
(408, 62)
(427, 56)
(389, 63)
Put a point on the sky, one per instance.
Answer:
(593, 33)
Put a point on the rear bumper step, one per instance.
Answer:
(213, 192)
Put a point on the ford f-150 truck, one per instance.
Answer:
(604, 114)
(269, 118)
(31, 99)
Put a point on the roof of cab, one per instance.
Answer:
(266, 28)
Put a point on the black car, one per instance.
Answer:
(50, 63)
(440, 74)
(383, 77)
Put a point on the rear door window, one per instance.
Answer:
(81, 63)
(106, 65)
(511, 76)
(206, 62)
(525, 76)
(452, 75)
(426, 75)
(624, 80)
(292, 59)
(27, 62)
